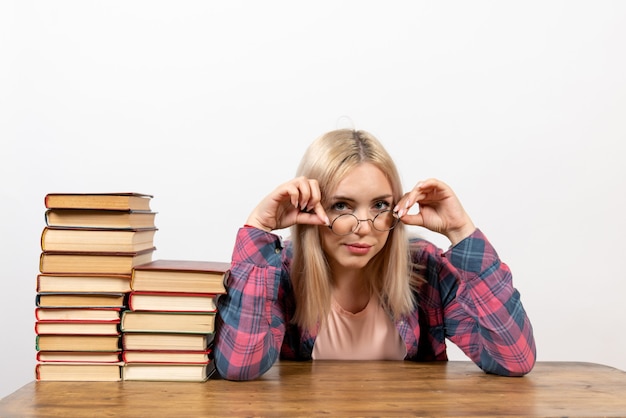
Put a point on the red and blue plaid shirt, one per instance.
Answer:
(468, 298)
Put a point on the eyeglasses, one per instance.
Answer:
(348, 223)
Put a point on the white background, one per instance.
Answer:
(520, 106)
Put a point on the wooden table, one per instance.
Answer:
(341, 388)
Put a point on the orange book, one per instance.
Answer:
(93, 262)
(97, 239)
(117, 201)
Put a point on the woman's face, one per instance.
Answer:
(364, 192)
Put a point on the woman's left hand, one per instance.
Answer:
(439, 210)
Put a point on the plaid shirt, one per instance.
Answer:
(468, 298)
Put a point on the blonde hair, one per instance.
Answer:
(328, 160)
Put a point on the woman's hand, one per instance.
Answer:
(296, 202)
(439, 210)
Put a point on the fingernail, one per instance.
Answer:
(400, 213)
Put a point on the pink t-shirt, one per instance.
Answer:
(365, 335)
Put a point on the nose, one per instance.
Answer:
(364, 222)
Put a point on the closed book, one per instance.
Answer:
(79, 356)
(181, 276)
(166, 341)
(77, 314)
(77, 342)
(171, 301)
(96, 240)
(171, 356)
(96, 218)
(80, 300)
(168, 372)
(106, 283)
(181, 322)
(117, 200)
(77, 327)
(78, 372)
(93, 262)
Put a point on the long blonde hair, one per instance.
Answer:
(328, 159)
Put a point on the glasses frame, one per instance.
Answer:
(358, 222)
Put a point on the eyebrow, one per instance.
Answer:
(350, 199)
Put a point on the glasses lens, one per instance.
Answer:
(385, 221)
(344, 224)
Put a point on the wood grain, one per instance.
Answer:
(342, 388)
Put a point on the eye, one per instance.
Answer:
(381, 205)
(340, 207)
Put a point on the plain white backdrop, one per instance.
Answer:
(208, 105)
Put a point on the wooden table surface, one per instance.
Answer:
(341, 389)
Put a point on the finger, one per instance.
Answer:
(321, 213)
(293, 192)
(413, 219)
(314, 195)
(304, 192)
(311, 218)
(408, 201)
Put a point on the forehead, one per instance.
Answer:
(363, 181)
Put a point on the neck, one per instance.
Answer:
(351, 291)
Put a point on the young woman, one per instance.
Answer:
(351, 284)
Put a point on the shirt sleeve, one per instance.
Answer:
(483, 312)
(250, 326)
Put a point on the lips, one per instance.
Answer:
(358, 248)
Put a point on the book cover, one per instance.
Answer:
(93, 262)
(78, 314)
(97, 218)
(77, 327)
(88, 283)
(79, 356)
(168, 372)
(185, 276)
(80, 300)
(166, 341)
(117, 200)
(167, 356)
(77, 372)
(96, 240)
(171, 301)
(55, 342)
(168, 322)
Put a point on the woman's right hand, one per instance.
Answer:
(296, 202)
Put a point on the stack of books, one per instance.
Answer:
(90, 244)
(168, 328)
